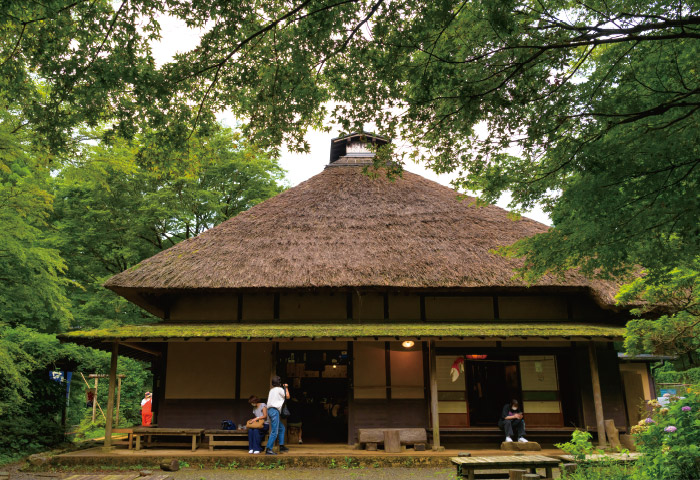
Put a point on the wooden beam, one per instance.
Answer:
(434, 415)
(110, 395)
(155, 353)
(597, 396)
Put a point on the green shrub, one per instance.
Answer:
(603, 468)
(669, 439)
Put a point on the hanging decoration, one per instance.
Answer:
(457, 367)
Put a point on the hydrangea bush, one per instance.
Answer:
(669, 439)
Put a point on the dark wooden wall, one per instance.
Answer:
(202, 413)
(387, 413)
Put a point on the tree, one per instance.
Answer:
(32, 285)
(674, 333)
(117, 204)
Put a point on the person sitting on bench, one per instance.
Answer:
(512, 418)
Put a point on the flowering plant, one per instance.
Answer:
(670, 440)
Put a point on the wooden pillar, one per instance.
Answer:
(434, 415)
(110, 396)
(273, 356)
(94, 402)
(597, 396)
(119, 398)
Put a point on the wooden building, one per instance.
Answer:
(363, 293)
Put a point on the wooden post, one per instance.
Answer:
(392, 441)
(613, 434)
(110, 395)
(434, 415)
(515, 474)
(597, 396)
(273, 356)
(94, 402)
(119, 398)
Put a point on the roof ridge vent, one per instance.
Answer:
(355, 149)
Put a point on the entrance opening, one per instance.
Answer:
(490, 385)
(319, 389)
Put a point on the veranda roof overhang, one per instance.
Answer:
(132, 338)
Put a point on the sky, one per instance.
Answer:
(177, 38)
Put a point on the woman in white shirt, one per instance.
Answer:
(255, 435)
(275, 399)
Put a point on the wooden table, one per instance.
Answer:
(234, 438)
(195, 433)
(466, 466)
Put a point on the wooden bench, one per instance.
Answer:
(466, 466)
(226, 438)
(371, 437)
(194, 433)
(129, 437)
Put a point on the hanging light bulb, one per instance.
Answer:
(407, 344)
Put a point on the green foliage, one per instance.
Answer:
(579, 446)
(670, 374)
(669, 440)
(602, 468)
(676, 332)
(120, 203)
(31, 269)
(30, 401)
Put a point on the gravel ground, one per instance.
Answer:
(276, 474)
(322, 474)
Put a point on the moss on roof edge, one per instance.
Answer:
(250, 331)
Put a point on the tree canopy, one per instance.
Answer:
(589, 108)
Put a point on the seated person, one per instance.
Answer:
(512, 418)
(255, 435)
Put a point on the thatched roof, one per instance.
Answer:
(344, 229)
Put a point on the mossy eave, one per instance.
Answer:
(178, 331)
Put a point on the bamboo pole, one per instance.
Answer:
(434, 397)
(597, 396)
(94, 403)
(95, 400)
(110, 394)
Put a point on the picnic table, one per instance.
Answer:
(466, 466)
(194, 433)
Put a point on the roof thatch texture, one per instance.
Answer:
(342, 228)
(160, 331)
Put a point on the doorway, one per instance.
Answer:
(490, 384)
(319, 389)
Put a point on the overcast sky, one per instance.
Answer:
(177, 37)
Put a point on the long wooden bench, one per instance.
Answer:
(226, 438)
(371, 437)
(194, 433)
(467, 466)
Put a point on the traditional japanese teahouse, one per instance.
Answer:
(364, 293)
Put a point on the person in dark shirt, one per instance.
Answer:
(512, 419)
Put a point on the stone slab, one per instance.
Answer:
(521, 447)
